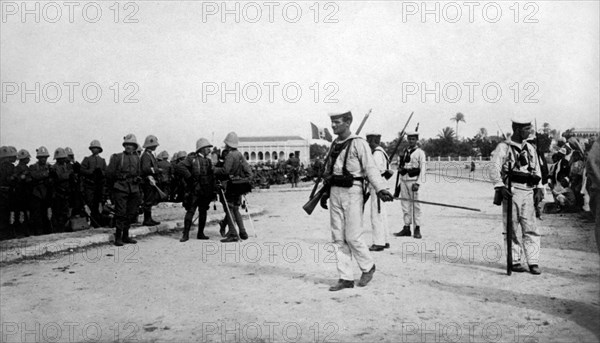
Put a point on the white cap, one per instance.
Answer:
(412, 133)
(521, 120)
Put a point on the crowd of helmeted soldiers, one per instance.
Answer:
(43, 198)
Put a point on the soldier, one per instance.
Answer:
(526, 178)
(199, 177)
(22, 192)
(351, 162)
(41, 193)
(76, 200)
(124, 172)
(379, 222)
(150, 172)
(62, 176)
(412, 170)
(166, 172)
(293, 169)
(93, 170)
(7, 170)
(234, 166)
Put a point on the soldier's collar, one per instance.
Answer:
(338, 141)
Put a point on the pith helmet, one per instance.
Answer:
(42, 152)
(4, 151)
(232, 140)
(69, 151)
(12, 151)
(96, 144)
(60, 153)
(174, 157)
(162, 156)
(23, 154)
(150, 141)
(202, 143)
(130, 139)
(181, 154)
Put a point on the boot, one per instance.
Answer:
(186, 234)
(201, 225)
(240, 222)
(405, 232)
(126, 239)
(417, 232)
(148, 221)
(118, 241)
(366, 277)
(222, 226)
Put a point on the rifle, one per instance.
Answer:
(315, 197)
(396, 188)
(509, 224)
(541, 158)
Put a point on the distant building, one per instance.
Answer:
(586, 132)
(274, 148)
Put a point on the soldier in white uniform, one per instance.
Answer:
(350, 164)
(378, 217)
(412, 169)
(526, 178)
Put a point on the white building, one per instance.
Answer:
(274, 148)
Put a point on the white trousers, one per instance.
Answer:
(526, 235)
(379, 222)
(407, 206)
(346, 214)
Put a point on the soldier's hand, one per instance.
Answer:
(385, 195)
(506, 194)
(324, 199)
(415, 187)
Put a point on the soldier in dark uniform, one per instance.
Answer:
(23, 180)
(293, 169)
(7, 169)
(166, 172)
(41, 193)
(93, 170)
(61, 175)
(124, 172)
(177, 182)
(198, 175)
(150, 173)
(234, 166)
(76, 200)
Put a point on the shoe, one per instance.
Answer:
(222, 226)
(376, 247)
(404, 233)
(417, 232)
(202, 236)
(341, 284)
(534, 269)
(387, 245)
(244, 235)
(230, 239)
(365, 278)
(518, 268)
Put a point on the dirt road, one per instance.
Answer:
(448, 287)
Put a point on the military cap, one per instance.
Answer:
(23, 154)
(521, 121)
(344, 115)
(60, 153)
(42, 152)
(202, 143)
(130, 139)
(373, 137)
(4, 151)
(412, 134)
(69, 151)
(96, 144)
(232, 140)
(151, 141)
(12, 151)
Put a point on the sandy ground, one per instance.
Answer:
(450, 286)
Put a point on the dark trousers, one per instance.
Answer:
(126, 209)
(60, 212)
(40, 223)
(151, 196)
(93, 199)
(202, 205)
(5, 229)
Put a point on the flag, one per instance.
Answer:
(320, 133)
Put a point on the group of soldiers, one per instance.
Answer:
(42, 198)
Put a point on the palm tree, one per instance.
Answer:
(458, 118)
(447, 134)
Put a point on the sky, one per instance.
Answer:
(182, 70)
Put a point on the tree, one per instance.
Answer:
(317, 151)
(458, 118)
(447, 134)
